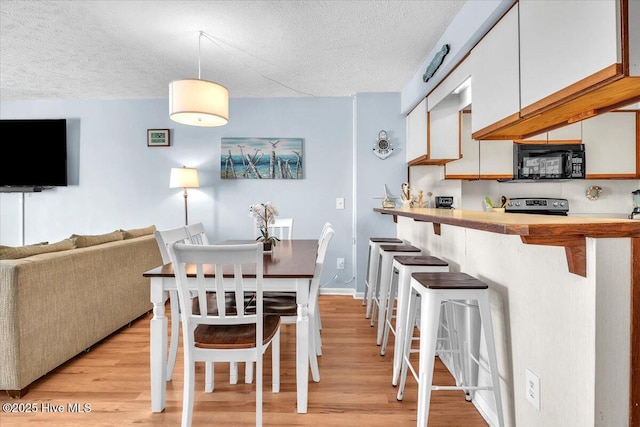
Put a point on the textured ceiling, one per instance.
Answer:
(133, 49)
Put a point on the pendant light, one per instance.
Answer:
(197, 102)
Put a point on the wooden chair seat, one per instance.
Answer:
(235, 336)
(283, 305)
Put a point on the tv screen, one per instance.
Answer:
(34, 153)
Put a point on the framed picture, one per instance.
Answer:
(158, 138)
(261, 158)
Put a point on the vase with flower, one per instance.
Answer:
(264, 214)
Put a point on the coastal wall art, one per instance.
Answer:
(261, 158)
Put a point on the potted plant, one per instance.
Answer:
(264, 214)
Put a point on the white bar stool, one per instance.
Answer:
(372, 267)
(433, 289)
(381, 296)
(402, 268)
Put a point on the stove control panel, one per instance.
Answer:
(538, 205)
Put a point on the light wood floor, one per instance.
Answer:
(355, 387)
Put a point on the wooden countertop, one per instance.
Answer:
(551, 230)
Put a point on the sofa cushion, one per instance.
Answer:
(86, 240)
(9, 252)
(138, 232)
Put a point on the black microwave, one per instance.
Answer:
(548, 161)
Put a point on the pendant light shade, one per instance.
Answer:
(196, 102)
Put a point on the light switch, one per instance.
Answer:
(340, 203)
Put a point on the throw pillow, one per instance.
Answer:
(9, 252)
(138, 232)
(86, 240)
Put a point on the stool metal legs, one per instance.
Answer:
(430, 303)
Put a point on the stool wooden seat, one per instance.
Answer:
(433, 289)
(372, 268)
(381, 295)
(402, 268)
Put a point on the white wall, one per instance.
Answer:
(116, 181)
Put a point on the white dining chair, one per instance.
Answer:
(194, 234)
(220, 333)
(197, 235)
(284, 304)
(282, 228)
(164, 238)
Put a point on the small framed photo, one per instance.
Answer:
(158, 138)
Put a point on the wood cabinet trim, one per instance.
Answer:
(612, 175)
(547, 141)
(634, 373)
(603, 99)
(594, 81)
(637, 143)
(488, 132)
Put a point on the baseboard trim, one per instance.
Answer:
(342, 291)
(485, 409)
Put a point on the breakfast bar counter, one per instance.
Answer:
(565, 304)
(552, 230)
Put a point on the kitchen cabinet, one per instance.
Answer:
(443, 105)
(488, 160)
(495, 76)
(563, 43)
(611, 145)
(575, 60)
(444, 131)
(468, 165)
(496, 159)
(416, 129)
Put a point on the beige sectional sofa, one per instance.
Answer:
(56, 304)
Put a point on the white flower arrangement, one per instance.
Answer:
(264, 214)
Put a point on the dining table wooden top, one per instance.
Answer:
(287, 259)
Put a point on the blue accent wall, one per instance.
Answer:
(116, 181)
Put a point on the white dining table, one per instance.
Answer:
(289, 268)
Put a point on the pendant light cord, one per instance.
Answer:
(216, 42)
(200, 53)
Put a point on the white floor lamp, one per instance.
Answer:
(184, 177)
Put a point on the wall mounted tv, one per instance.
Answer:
(34, 154)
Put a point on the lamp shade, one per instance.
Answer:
(184, 178)
(197, 102)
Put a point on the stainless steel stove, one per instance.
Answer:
(538, 205)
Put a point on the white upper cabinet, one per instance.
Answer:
(468, 166)
(563, 42)
(480, 160)
(610, 145)
(433, 127)
(416, 130)
(550, 63)
(444, 130)
(496, 159)
(495, 74)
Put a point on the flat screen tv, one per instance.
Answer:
(34, 153)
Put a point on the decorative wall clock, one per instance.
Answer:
(382, 147)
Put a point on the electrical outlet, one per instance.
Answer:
(340, 264)
(533, 389)
(340, 203)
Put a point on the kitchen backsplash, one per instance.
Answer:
(615, 198)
